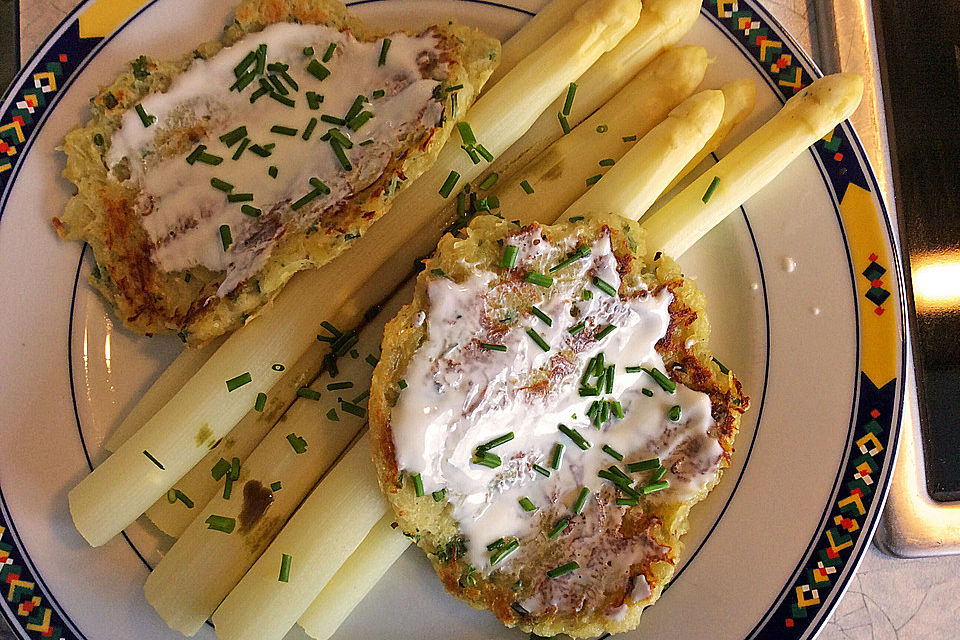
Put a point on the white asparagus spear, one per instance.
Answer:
(662, 23)
(558, 176)
(826, 114)
(739, 97)
(358, 575)
(203, 566)
(634, 183)
(531, 35)
(345, 507)
(805, 118)
(178, 436)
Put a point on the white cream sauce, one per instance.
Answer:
(181, 211)
(459, 397)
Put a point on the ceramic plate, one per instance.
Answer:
(804, 295)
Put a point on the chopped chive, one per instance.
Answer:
(629, 138)
(332, 415)
(526, 504)
(227, 487)
(604, 413)
(222, 524)
(453, 104)
(285, 561)
(711, 189)
(575, 218)
(402, 384)
(563, 569)
(723, 369)
(152, 459)
(282, 99)
(308, 130)
(308, 393)
(244, 65)
(607, 162)
(308, 51)
(563, 123)
(217, 183)
(633, 369)
(643, 465)
(290, 81)
(259, 93)
(449, 183)
(496, 442)
(574, 435)
(417, 484)
(493, 347)
(604, 286)
(656, 486)
(336, 386)
(226, 239)
(602, 128)
(647, 392)
(613, 453)
(568, 102)
(263, 151)
(658, 474)
(496, 544)
(353, 409)
(544, 472)
(608, 378)
(233, 137)
(384, 48)
(592, 180)
(195, 154)
(486, 155)
(341, 155)
(277, 85)
(674, 413)
(665, 383)
(317, 70)
(573, 257)
(486, 459)
(145, 118)
(536, 337)
(538, 279)
(272, 171)
(314, 100)
(241, 148)
(607, 330)
(261, 402)
(276, 486)
(379, 93)
(525, 185)
(299, 444)
(489, 181)
(239, 381)
(235, 468)
(181, 496)
(239, 197)
(617, 408)
(355, 107)
(509, 257)
(359, 120)
(558, 528)
(328, 54)
(588, 391)
(284, 131)
(504, 551)
(307, 199)
(372, 360)
(466, 134)
(438, 496)
(547, 320)
(577, 328)
(581, 500)
(220, 469)
(557, 456)
(98, 139)
(627, 502)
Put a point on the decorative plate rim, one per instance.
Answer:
(833, 553)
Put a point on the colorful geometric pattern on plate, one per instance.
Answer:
(847, 480)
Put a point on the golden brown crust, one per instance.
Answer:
(151, 301)
(660, 526)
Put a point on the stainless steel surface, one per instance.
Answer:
(926, 175)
